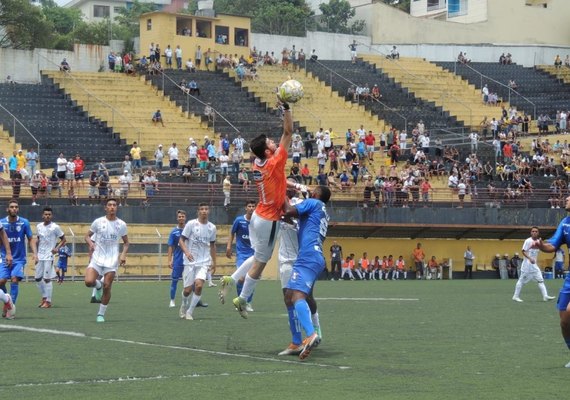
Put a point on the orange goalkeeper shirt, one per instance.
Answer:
(269, 177)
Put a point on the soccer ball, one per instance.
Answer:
(290, 91)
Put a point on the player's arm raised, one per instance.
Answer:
(287, 135)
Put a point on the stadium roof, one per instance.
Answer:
(433, 231)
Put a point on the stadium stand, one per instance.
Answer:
(561, 74)
(543, 90)
(57, 124)
(396, 101)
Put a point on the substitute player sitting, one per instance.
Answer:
(198, 243)
(103, 241)
(269, 177)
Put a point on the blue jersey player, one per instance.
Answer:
(175, 255)
(313, 224)
(240, 231)
(561, 236)
(63, 253)
(18, 230)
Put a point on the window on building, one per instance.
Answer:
(456, 8)
(241, 37)
(184, 26)
(101, 11)
(436, 4)
(537, 3)
(149, 24)
(222, 34)
(204, 29)
(117, 10)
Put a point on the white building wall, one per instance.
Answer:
(25, 65)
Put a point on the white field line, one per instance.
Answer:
(165, 346)
(143, 378)
(365, 299)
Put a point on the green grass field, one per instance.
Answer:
(456, 340)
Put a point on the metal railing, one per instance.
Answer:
(14, 126)
(69, 79)
(194, 98)
(386, 107)
(444, 96)
(488, 78)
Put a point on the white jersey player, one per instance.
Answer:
(103, 241)
(50, 239)
(198, 243)
(529, 268)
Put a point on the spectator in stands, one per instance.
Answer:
(186, 172)
(157, 117)
(226, 188)
(485, 94)
(150, 184)
(64, 66)
(143, 65)
(103, 186)
(376, 92)
(127, 165)
(178, 55)
(243, 179)
(136, 156)
(462, 58)
(190, 66)
(111, 61)
(512, 84)
(314, 56)
(124, 181)
(557, 61)
(394, 54)
(158, 158)
(193, 87)
(32, 160)
(173, 159)
(209, 112)
(502, 59)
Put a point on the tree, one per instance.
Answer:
(129, 18)
(336, 15)
(23, 26)
(64, 20)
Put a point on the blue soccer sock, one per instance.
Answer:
(173, 286)
(296, 336)
(567, 341)
(304, 316)
(14, 289)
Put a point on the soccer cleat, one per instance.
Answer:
(202, 304)
(188, 317)
(548, 298)
(212, 284)
(100, 318)
(182, 312)
(248, 308)
(567, 365)
(225, 283)
(517, 299)
(291, 350)
(240, 304)
(99, 294)
(42, 303)
(9, 309)
(94, 300)
(309, 343)
(172, 304)
(47, 304)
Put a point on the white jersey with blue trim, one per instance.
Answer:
(198, 237)
(289, 238)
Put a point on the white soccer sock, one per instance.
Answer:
(243, 269)
(248, 287)
(98, 284)
(48, 290)
(185, 300)
(102, 309)
(542, 289)
(518, 288)
(3, 296)
(193, 302)
(315, 319)
(41, 288)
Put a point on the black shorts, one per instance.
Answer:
(61, 174)
(78, 176)
(173, 164)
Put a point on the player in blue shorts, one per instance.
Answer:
(313, 224)
(63, 253)
(560, 237)
(175, 255)
(240, 230)
(18, 230)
